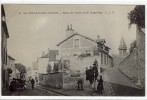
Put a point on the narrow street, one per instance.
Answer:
(115, 84)
(120, 84)
(30, 92)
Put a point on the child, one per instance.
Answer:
(100, 85)
(80, 82)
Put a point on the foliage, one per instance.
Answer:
(137, 16)
(9, 71)
(132, 46)
(22, 69)
(49, 68)
(55, 68)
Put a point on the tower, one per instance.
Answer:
(69, 31)
(122, 48)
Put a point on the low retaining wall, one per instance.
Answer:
(52, 80)
(59, 80)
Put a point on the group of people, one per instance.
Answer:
(18, 83)
(92, 76)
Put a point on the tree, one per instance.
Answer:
(137, 16)
(55, 68)
(22, 69)
(9, 71)
(49, 68)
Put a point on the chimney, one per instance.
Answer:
(69, 31)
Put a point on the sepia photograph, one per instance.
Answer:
(95, 50)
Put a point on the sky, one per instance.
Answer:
(32, 33)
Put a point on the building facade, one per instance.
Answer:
(4, 37)
(11, 65)
(76, 46)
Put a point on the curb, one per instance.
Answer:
(125, 74)
(128, 78)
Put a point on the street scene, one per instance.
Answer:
(73, 50)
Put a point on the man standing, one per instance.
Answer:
(32, 83)
(87, 74)
(80, 83)
(91, 75)
(95, 71)
(96, 63)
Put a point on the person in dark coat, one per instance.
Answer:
(32, 83)
(100, 87)
(87, 73)
(13, 85)
(95, 71)
(91, 75)
(80, 83)
(96, 62)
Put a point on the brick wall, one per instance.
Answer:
(134, 64)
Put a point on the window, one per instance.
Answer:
(76, 43)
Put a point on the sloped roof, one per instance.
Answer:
(100, 40)
(51, 55)
(45, 56)
(20, 67)
(11, 57)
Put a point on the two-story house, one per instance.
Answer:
(76, 46)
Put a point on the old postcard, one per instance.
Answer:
(73, 50)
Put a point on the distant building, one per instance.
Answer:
(46, 58)
(4, 37)
(35, 71)
(122, 49)
(29, 72)
(76, 45)
(49, 58)
(117, 58)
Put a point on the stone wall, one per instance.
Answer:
(52, 80)
(141, 55)
(61, 80)
(129, 65)
(133, 66)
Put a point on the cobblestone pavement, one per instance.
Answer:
(30, 92)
